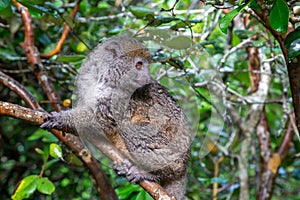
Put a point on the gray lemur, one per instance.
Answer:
(119, 102)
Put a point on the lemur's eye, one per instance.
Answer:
(139, 65)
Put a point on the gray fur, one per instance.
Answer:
(117, 99)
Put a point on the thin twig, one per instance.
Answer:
(64, 34)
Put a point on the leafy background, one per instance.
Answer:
(202, 41)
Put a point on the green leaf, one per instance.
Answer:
(4, 4)
(244, 34)
(49, 138)
(292, 43)
(149, 17)
(254, 6)
(45, 186)
(103, 5)
(81, 47)
(158, 34)
(294, 49)
(226, 20)
(143, 195)
(7, 12)
(291, 38)
(279, 16)
(65, 182)
(36, 135)
(31, 5)
(32, 1)
(49, 48)
(39, 151)
(44, 153)
(45, 135)
(126, 191)
(157, 21)
(26, 187)
(55, 151)
(175, 62)
(53, 6)
(179, 42)
(179, 25)
(50, 163)
(8, 55)
(165, 19)
(140, 12)
(72, 159)
(67, 59)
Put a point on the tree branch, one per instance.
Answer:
(18, 88)
(263, 132)
(33, 58)
(103, 185)
(64, 34)
(254, 116)
(292, 66)
(294, 74)
(272, 161)
(36, 117)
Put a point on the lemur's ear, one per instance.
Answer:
(113, 48)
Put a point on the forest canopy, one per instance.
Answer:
(233, 66)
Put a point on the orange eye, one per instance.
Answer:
(139, 65)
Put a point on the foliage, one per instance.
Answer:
(206, 70)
